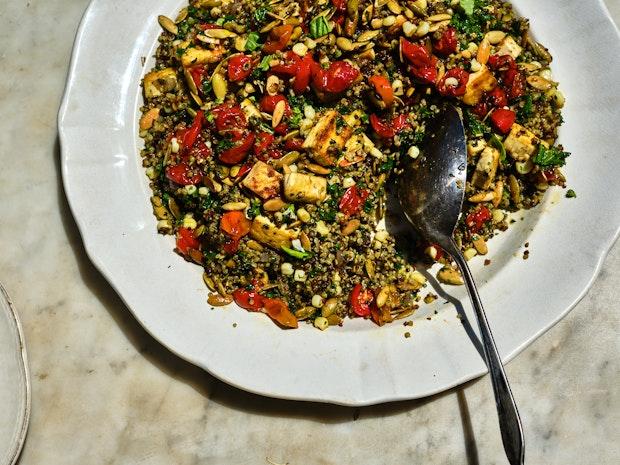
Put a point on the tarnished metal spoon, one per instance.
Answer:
(431, 191)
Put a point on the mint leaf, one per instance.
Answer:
(252, 42)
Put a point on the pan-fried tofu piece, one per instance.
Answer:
(198, 56)
(265, 232)
(329, 136)
(521, 143)
(479, 82)
(305, 188)
(263, 180)
(509, 46)
(486, 168)
(157, 83)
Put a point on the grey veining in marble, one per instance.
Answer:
(105, 393)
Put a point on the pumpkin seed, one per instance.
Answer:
(305, 241)
(219, 33)
(540, 83)
(174, 208)
(317, 169)
(539, 50)
(436, 26)
(220, 86)
(367, 35)
(182, 16)
(270, 26)
(394, 7)
(168, 24)
(234, 206)
(404, 314)
(218, 300)
(344, 44)
(439, 18)
(515, 189)
(304, 313)
(370, 268)
(190, 81)
(498, 192)
(367, 14)
(208, 281)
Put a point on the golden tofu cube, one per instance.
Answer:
(329, 136)
(521, 143)
(263, 180)
(265, 232)
(157, 83)
(509, 46)
(479, 83)
(486, 168)
(198, 56)
(304, 188)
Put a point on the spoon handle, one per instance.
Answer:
(509, 421)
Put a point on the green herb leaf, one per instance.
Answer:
(264, 63)
(319, 27)
(553, 156)
(260, 14)
(476, 127)
(297, 254)
(525, 112)
(570, 194)
(254, 209)
(224, 144)
(496, 142)
(387, 166)
(252, 41)
(468, 6)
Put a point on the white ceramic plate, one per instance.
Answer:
(358, 364)
(14, 383)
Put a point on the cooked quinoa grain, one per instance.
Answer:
(273, 132)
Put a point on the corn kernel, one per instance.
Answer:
(287, 269)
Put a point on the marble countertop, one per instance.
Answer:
(104, 392)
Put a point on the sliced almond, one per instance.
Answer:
(278, 113)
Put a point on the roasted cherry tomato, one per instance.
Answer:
(235, 224)
(353, 200)
(278, 311)
(278, 38)
(231, 246)
(229, 118)
(294, 144)
(181, 174)
(289, 64)
(361, 300)
(476, 220)
(497, 98)
(503, 120)
(268, 104)
(447, 44)
(239, 67)
(303, 74)
(200, 150)
(388, 129)
(197, 73)
(245, 169)
(423, 64)
(262, 142)
(250, 300)
(383, 88)
(501, 62)
(243, 142)
(186, 240)
(340, 76)
(453, 83)
(206, 26)
(190, 136)
(340, 5)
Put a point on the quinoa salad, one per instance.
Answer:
(274, 131)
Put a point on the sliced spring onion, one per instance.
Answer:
(319, 27)
(297, 254)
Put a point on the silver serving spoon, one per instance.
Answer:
(431, 191)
